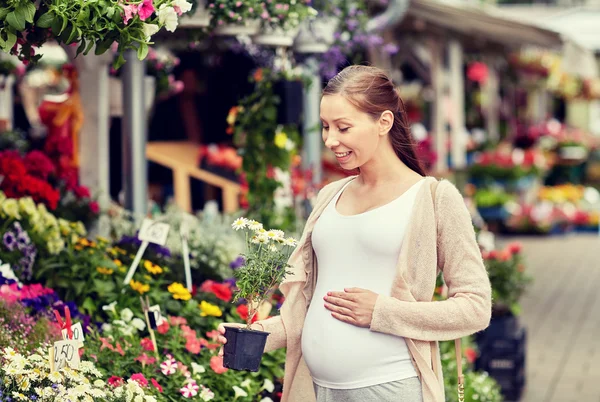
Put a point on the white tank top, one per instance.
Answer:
(356, 251)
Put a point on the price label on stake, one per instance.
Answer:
(66, 353)
(154, 232)
(77, 334)
(183, 232)
(155, 316)
(150, 232)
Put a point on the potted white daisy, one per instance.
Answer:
(265, 267)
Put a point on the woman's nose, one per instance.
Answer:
(331, 141)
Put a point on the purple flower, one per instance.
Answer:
(231, 282)
(390, 49)
(352, 24)
(375, 40)
(23, 241)
(18, 228)
(10, 241)
(237, 263)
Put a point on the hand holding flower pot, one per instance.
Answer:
(264, 269)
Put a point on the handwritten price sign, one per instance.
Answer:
(154, 232)
(66, 353)
(77, 334)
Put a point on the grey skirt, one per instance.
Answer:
(408, 390)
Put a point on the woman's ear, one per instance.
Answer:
(386, 121)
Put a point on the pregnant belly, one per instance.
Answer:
(340, 354)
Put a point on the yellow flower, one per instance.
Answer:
(152, 268)
(104, 271)
(27, 206)
(11, 208)
(118, 263)
(179, 291)
(139, 287)
(102, 239)
(208, 309)
(281, 140)
(84, 242)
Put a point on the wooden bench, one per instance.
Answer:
(182, 158)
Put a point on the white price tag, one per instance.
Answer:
(66, 353)
(154, 313)
(77, 334)
(154, 232)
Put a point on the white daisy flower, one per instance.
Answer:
(239, 223)
(254, 225)
(290, 241)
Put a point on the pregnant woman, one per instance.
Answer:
(359, 322)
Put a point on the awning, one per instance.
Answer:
(474, 24)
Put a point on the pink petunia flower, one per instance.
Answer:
(190, 390)
(145, 359)
(115, 381)
(129, 11)
(169, 366)
(145, 9)
(156, 385)
(140, 379)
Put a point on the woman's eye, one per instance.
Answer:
(325, 128)
(343, 130)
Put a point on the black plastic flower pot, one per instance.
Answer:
(244, 348)
(289, 110)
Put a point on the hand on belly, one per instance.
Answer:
(352, 305)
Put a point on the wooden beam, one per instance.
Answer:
(457, 96)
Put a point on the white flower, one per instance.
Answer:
(197, 369)
(240, 223)
(290, 241)
(149, 30)
(167, 17)
(139, 324)
(246, 383)
(106, 327)
(260, 239)
(182, 5)
(267, 399)
(7, 272)
(272, 248)
(126, 314)
(239, 392)
(254, 225)
(268, 385)
(110, 307)
(206, 394)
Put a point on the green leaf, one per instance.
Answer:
(88, 48)
(4, 12)
(81, 47)
(142, 51)
(89, 305)
(45, 21)
(64, 24)
(103, 46)
(56, 25)
(16, 19)
(73, 35)
(28, 11)
(3, 45)
(119, 62)
(11, 39)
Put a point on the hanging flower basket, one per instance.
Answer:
(276, 36)
(316, 35)
(250, 28)
(90, 24)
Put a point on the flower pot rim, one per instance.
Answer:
(246, 330)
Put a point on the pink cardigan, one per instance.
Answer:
(430, 245)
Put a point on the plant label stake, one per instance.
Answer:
(183, 233)
(77, 334)
(146, 309)
(66, 353)
(150, 232)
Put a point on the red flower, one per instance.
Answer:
(163, 328)
(470, 354)
(139, 377)
(156, 385)
(39, 165)
(115, 381)
(478, 72)
(222, 291)
(94, 207)
(81, 192)
(147, 344)
(515, 247)
(242, 310)
(216, 364)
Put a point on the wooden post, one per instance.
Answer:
(457, 96)
(438, 124)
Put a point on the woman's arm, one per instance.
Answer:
(468, 307)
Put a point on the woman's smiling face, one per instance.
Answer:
(351, 134)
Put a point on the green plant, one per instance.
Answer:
(233, 11)
(508, 278)
(267, 147)
(98, 24)
(485, 198)
(287, 14)
(265, 264)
